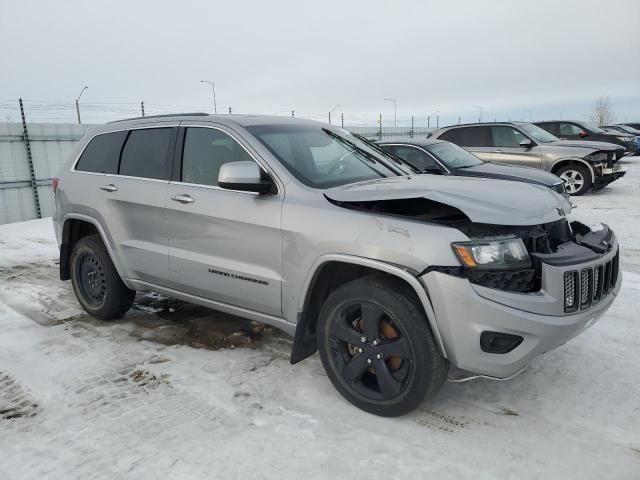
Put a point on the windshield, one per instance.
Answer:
(322, 158)
(630, 130)
(453, 156)
(538, 134)
(593, 128)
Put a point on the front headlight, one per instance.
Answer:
(598, 157)
(493, 253)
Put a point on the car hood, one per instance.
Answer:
(604, 146)
(509, 172)
(483, 200)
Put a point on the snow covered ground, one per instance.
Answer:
(170, 393)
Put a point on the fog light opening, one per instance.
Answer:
(497, 342)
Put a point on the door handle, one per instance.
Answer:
(497, 151)
(109, 188)
(183, 198)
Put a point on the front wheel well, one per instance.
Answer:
(72, 231)
(330, 276)
(563, 163)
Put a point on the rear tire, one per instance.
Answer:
(96, 282)
(377, 348)
(577, 178)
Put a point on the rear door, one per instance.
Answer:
(507, 149)
(224, 245)
(135, 201)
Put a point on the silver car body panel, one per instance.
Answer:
(256, 255)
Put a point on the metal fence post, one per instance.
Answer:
(27, 144)
(342, 120)
(412, 125)
(380, 126)
(142, 108)
(458, 120)
(437, 121)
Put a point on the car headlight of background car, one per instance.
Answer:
(493, 253)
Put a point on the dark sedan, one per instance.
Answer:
(576, 130)
(445, 158)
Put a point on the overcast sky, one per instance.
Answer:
(510, 57)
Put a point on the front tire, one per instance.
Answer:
(377, 348)
(96, 282)
(576, 178)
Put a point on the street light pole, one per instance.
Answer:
(331, 111)
(429, 118)
(529, 111)
(479, 108)
(213, 89)
(395, 110)
(78, 106)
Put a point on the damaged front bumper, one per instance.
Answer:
(540, 321)
(606, 175)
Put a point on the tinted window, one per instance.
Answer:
(205, 151)
(507, 137)
(414, 157)
(102, 153)
(145, 153)
(569, 129)
(468, 136)
(553, 128)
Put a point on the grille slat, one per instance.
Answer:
(587, 287)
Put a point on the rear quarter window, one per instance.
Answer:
(145, 153)
(468, 136)
(102, 153)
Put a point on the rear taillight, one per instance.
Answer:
(54, 184)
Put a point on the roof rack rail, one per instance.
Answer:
(166, 115)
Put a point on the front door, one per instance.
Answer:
(224, 245)
(507, 148)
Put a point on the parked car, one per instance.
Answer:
(391, 275)
(582, 165)
(633, 125)
(440, 157)
(577, 131)
(627, 130)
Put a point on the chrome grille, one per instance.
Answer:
(591, 284)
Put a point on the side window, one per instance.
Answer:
(476, 137)
(453, 136)
(205, 150)
(569, 129)
(468, 136)
(506, 137)
(552, 128)
(145, 153)
(102, 153)
(416, 158)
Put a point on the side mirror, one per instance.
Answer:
(244, 176)
(582, 134)
(526, 143)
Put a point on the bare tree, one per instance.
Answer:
(602, 113)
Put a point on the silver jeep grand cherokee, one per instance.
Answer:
(390, 274)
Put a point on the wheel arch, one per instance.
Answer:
(74, 227)
(567, 161)
(334, 270)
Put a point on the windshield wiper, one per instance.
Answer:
(360, 150)
(397, 159)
